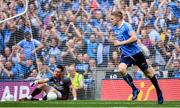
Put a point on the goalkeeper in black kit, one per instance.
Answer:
(59, 85)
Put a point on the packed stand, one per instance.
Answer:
(67, 32)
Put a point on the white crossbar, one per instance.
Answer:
(7, 19)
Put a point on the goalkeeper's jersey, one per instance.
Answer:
(62, 85)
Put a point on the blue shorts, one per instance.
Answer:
(137, 59)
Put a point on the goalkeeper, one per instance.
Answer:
(60, 85)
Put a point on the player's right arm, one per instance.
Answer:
(41, 81)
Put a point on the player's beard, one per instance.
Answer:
(59, 76)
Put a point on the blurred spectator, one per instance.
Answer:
(161, 55)
(76, 79)
(2, 38)
(158, 71)
(14, 55)
(176, 67)
(69, 53)
(90, 75)
(29, 46)
(144, 49)
(110, 65)
(92, 66)
(138, 73)
(144, 38)
(20, 6)
(86, 58)
(52, 63)
(115, 59)
(8, 71)
(80, 47)
(54, 50)
(33, 74)
(81, 66)
(153, 35)
(100, 52)
(34, 20)
(7, 53)
(173, 66)
(91, 46)
(62, 33)
(22, 66)
(43, 70)
(89, 78)
(174, 8)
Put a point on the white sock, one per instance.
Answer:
(59, 95)
(75, 98)
(29, 97)
(40, 99)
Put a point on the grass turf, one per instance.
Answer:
(92, 104)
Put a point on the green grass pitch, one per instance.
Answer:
(91, 104)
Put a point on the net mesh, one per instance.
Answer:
(76, 32)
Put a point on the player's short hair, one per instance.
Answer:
(118, 14)
(60, 67)
(27, 33)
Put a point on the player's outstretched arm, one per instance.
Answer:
(41, 81)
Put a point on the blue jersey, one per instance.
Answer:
(28, 47)
(122, 33)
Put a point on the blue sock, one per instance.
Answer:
(129, 80)
(155, 83)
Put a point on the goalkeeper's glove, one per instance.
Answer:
(34, 83)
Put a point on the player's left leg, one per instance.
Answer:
(37, 90)
(46, 88)
(150, 73)
(140, 61)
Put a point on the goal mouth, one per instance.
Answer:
(25, 10)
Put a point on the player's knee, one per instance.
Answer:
(40, 86)
(59, 95)
(149, 73)
(122, 71)
(144, 68)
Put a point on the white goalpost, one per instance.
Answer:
(20, 14)
(26, 8)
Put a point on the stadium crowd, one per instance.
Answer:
(67, 32)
